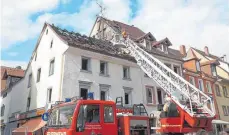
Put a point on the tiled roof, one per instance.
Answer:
(132, 31)
(162, 41)
(11, 72)
(210, 55)
(105, 47)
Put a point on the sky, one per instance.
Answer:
(195, 23)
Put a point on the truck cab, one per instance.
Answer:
(93, 117)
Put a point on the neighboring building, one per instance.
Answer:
(215, 66)
(195, 73)
(66, 64)
(9, 76)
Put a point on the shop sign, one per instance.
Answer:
(40, 112)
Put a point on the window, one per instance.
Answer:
(201, 85)
(148, 45)
(4, 95)
(228, 110)
(108, 114)
(168, 65)
(225, 92)
(47, 31)
(197, 65)
(213, 69)
(38, 74)
(102, 95)
(127, 96)
(61, 116)
(149, 96)
(2, 110)
(51, 67)
(103, 68)
(126, 72)
(85, 64)
(30, 80)
(35, 57)
(92, 113)
(104, 91)
(51, 43)
(83, 93)
(49, 95)
(28, 103)
(159, 96)
(225, 111)
(208, 86)
(217, 89)
(192, 80)
(176, 70)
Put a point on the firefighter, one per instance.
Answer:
(124, 35)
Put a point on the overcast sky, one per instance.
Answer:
(195, 23)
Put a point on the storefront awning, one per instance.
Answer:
(30, 126)
(220, 122)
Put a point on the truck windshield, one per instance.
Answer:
(61, 116)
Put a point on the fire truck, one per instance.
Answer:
(96, 117)
(189, 110)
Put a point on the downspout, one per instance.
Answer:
(61, 75)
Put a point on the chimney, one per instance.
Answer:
(206, 50)
(183, 50)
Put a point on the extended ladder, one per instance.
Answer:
(174, 85)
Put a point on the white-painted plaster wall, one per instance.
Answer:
(73, 74)
(38, 90)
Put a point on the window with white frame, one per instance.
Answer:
(86, 64)
(2, 110)
(177, 70)
(149, 94)
(127, 95)
(84, 89)
(197, 65)
(49, 95)
(51, 43)
(148, 45)
(213, 69)
(126, 72)
(30, 80)
(201, 84)
(225, 111)
(51, 67)
(225, 92)
(217, 89)
(38, 75)
(208, 86)
(28, 103)
(104, 91)
(192, 80)
(103, 68)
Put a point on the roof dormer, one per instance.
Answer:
(162, 45)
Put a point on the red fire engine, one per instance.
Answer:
(96, 117)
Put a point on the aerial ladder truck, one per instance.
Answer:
(190, 110)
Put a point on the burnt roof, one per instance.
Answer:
(106, 47)
(132, 31)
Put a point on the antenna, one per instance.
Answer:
(102, 9)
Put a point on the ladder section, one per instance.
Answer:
(184, 94)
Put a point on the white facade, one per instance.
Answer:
(17, 97)
(74, 78)
(68, 78)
